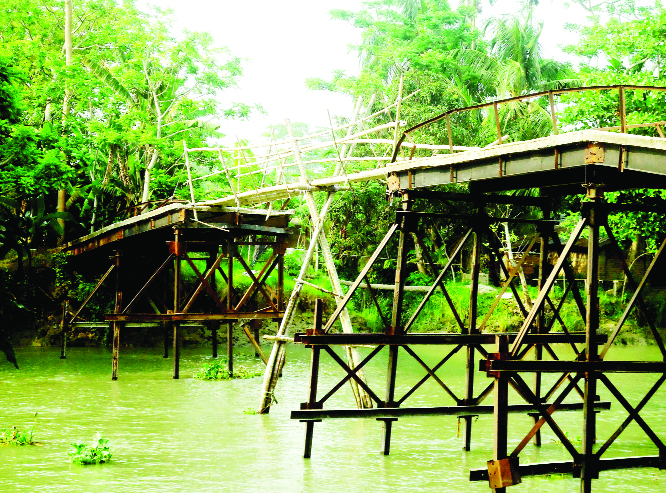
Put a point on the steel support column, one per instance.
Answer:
(396, 327)
(177, 245)
(471, 328)
(231, 254)
(116, 325)
(589, 469)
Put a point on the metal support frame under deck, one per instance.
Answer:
(145, 279)
(505, 366)
(470, 339)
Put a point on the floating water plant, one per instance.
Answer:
(14, 436)
(96, 452)
(217, 370)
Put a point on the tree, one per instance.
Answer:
(27, 172)
(138, 93)
(630, 52)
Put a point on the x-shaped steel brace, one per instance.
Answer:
(203, 283)
(553, 407)
(352, 374)
(260, 283)
(431, 373)
(633, 414)
(518, 382)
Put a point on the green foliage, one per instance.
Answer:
(139, 94)
(30, 163)
(217, 370)
(24, 225)
(14, 436)
(96, 452)
(250, 410)
(292, 262)
(627, 49)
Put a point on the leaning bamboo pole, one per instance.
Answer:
(362, 399)
(276, 359)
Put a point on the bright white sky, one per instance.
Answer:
(284, 42)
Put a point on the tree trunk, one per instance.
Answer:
(420, 264)
(66, 104)
(512, 263)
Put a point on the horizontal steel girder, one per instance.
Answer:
(394, 412)
(435, 339)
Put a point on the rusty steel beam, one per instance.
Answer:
(569, 467)
(453, 338)
(573, 366)
(388, 412)
(189, 317)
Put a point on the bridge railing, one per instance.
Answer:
(620, 113)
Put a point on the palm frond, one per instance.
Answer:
(103, 74)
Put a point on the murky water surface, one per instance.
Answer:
(189, 435)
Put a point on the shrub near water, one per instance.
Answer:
(14, 436)
(217, 370)
(96, 452)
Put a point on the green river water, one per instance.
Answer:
(189, 435)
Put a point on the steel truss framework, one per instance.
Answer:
(579, 375)
(157, 295)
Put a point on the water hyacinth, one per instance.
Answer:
(217, 370)
(96, 452)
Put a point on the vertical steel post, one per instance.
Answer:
(501, 406)
(176, 302)
(116, 325)
(254, 325)
(472, 329)
(541, 317)
(622, 110)
(230, 348)
(212, 281)
(396, 324)
(314, 380)
(281, 249)
(165, 328)
(214, 327)
(231, 253)
(596, 214)
(63, 330)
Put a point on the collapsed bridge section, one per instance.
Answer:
(145, 258)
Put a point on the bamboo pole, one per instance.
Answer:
(306, 137)
(397, 113)
(362, 400)
(312, 147)
(276, 357)
(189, 179)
